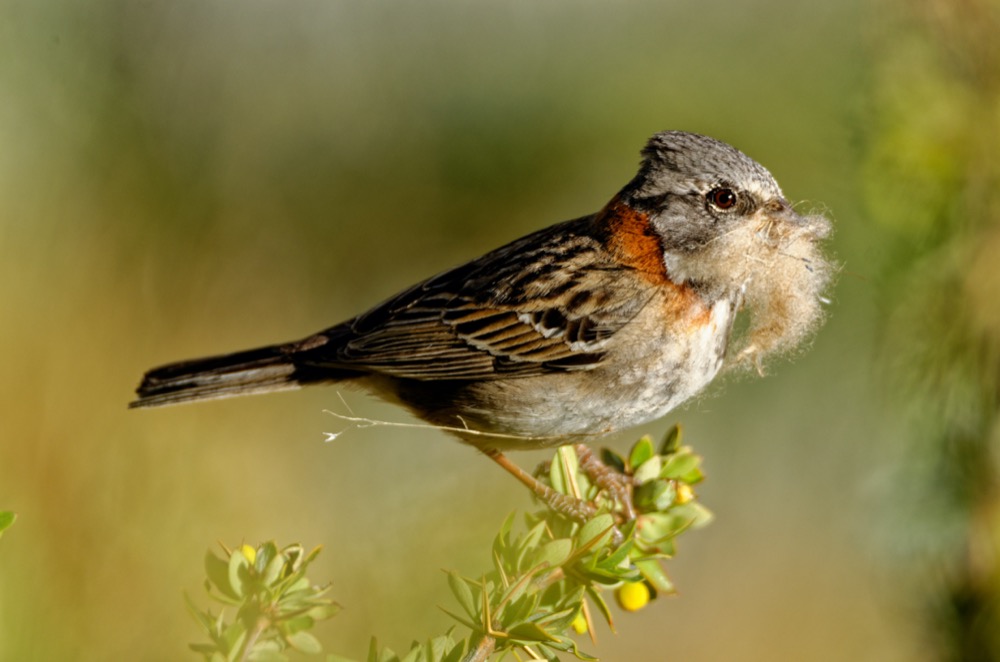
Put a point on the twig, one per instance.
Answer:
(482, 651)
(364, 422)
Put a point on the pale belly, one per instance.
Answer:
(649, 372)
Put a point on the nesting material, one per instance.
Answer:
(778, 265)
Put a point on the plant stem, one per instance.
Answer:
(482, 651)
(258, 629)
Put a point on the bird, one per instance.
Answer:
(577, 330)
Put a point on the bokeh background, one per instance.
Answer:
(184, 178)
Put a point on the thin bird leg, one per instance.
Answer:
(616, 483)
(576, 509)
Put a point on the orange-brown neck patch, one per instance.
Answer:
(632, 239)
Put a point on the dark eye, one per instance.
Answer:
(722, 198)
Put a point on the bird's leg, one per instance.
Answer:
(576, 509)
(619, 485)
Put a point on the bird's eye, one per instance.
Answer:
(721, 198)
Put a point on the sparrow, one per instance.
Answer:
(577, 330)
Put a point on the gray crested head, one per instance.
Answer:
(726, 229)
(674, 161)
(680, 170)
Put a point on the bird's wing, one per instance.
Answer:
(547, 302)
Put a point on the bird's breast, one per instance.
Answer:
(673, 354)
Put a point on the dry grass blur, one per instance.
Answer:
(185, 178)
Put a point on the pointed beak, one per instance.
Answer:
(780, 210)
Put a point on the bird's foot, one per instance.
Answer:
(571, 507)
(615, 483)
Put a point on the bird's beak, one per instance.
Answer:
(780, 210)
(778, 213)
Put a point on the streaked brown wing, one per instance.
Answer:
(547, 302)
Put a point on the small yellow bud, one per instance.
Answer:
(249, 553)
(684, 493)
(633, 596)
(579, 624)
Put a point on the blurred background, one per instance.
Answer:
(187, 178)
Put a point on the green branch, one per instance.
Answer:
(549, 577)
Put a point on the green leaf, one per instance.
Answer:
(563, 469)
(461, 619)
(530, 633)
(218, 574)
(650, 494)
(598, 600)
(554, 553)
(305, 642)
(663, 499)
(6, 520)
(574, 598)
(618, 556)
(547, 653)
(554, 593)
(596, 531)
(204, 649)
(265, 553)
(559, 621)
(298, 584)
(516, 590)
(502, 541)
(519, 610)
(649, 469)
(527, 544)
(579, 654)
(672, 441)
(297, 624)
(605, 576)
(323, 611)
(415, 654)
(652, 528)
(460, 588)
(641, 451)
(613, 460)
(700, 515)
(652, 571)
(272, 571)
(564, 644)
(237, 574)
(311, 556)
(233, 637)
(455, 654)
(204, 619)
(296, 556)
(439, 648)
(219, 627)
(683, 465)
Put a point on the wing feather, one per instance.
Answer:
(550, 301)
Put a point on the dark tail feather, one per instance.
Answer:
(262, 370)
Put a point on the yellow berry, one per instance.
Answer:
(633, 596)
(579, 623)
(249, 553)
(684, 493)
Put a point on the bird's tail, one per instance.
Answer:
(261, 370)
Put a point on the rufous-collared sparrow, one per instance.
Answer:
(582, 328)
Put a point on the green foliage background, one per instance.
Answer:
(184, 178)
